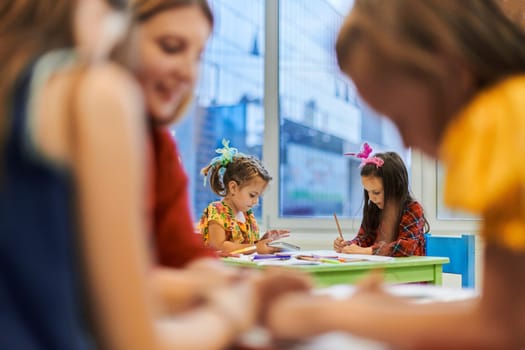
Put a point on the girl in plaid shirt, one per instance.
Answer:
(393, 222)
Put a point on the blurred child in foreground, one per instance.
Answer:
(451, 75)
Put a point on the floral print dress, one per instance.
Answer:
(236, 231)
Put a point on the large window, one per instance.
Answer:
(320, 116)
(270, 84)
(229, 98)
(319, 113)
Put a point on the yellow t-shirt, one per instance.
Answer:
(483, 151)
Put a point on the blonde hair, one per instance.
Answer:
(409, 36)
(143, 10)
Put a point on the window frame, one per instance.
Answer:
(423, 169)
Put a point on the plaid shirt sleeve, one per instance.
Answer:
(411, 236)
(362, 239)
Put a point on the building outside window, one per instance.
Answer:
(317, 110)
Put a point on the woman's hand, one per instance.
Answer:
(238, 303)
(339, 244)
(295, 316)
(213, 270)
(181, 289)
(276, 282)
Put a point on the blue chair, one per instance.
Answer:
(460, 251)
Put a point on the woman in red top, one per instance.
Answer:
(171, 38)
(176, 244)
(393, 222)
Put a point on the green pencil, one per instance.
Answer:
(330, 261)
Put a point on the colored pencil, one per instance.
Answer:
(249, 249)
(329, 261)
(338, 227)
(271, 256)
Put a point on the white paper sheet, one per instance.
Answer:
(417, 293)
(315, 253)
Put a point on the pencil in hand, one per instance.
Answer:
(246, 250)
(338, 227)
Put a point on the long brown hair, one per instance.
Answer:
(394, 175)
(143, 10)
(408, 36)
(515, 10)
(29, 28)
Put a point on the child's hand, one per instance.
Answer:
(270, 236)
(263, 248)
(222, 254)
(339, 244)
(355, 249)
(274, 235)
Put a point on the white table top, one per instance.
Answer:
(343, 341)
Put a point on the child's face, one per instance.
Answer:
(170, 46)
(247, 196)
(374, 187)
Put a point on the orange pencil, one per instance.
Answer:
(246, 250)
(338, 227)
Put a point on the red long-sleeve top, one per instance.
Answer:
(175, 242)
(410, 239)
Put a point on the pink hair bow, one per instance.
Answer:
(364, 155)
